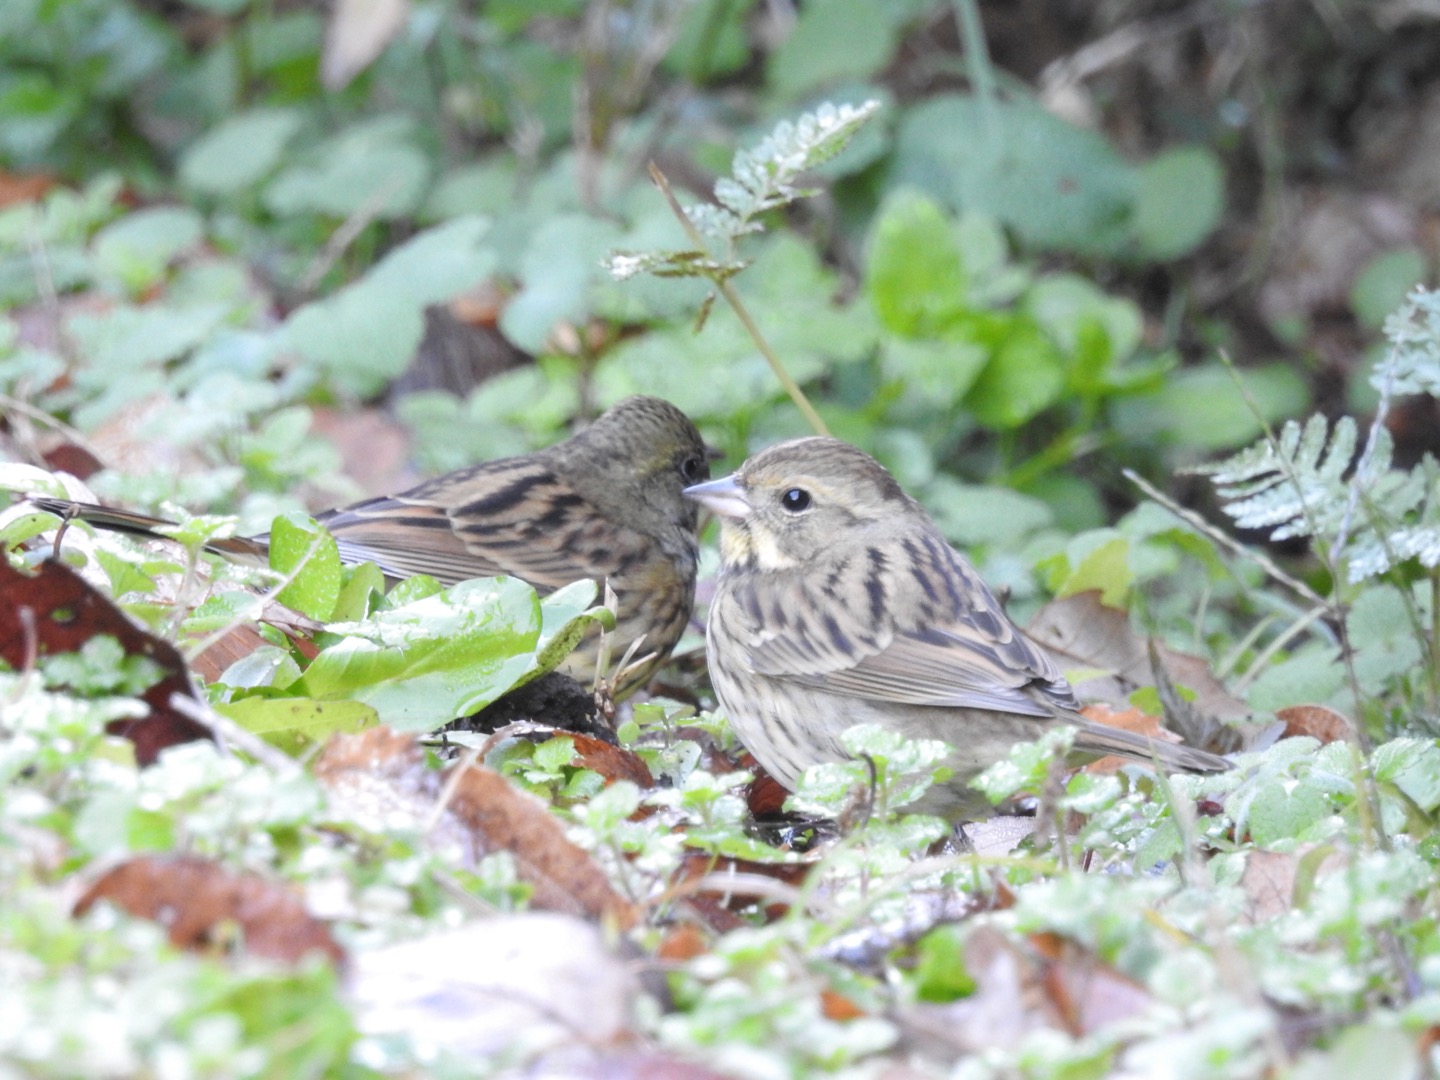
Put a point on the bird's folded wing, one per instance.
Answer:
(522, 522)
(958, 669)
(971, 657)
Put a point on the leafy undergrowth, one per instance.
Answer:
(534, 902)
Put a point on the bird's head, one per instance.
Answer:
(799, 499)
(637, 458)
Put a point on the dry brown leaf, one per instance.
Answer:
(374, 449)
(382, 772)
(1086, 993)
(1317, 721)
(1133, 720)
(55, 610)
(610, 761)
(1089, 636)
(563, 874)
(1273, 880)
(201, 905)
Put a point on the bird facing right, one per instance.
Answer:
(840, 603)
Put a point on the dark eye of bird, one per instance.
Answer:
(795, 500)
(693, 469)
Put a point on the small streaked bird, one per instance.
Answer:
(840, 603)
(606, 504)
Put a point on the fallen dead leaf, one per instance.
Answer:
(201, 904)
(1132, 720)
(1274, 882)
(1098, 640)
(54, 610)
(610, 761)
(1317, 721)
(383, 773)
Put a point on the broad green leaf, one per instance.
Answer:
(834, 39)
(914, 272)
(558, 270)
(1105, 568)
(1202, 408)
(1413, 766)
(371, 168)
(1384, 283)
(366, 334)
(293, 723)
(1180, 200)
(300, 547)
(425, 663)
(1025, 375)
(137, 248)
(1056, 185)
(239, 152)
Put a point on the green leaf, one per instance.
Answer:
(559, 269)
(361, 584)
(914, 274)
(1056, 185)
(940, 973)
(425, 663)
(239, 152)
(1201, 407)
(139, 247)
(299, 546)
(1383, 285)
(1180, 200)
(370, 168)
(366, 334)
(1105, 568)
(834, 39)
(294, 723)
(1025, 375)
(1413, 766)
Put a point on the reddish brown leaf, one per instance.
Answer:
(199, 902)
(681, 943)
(1316, 721)
(240, 641)
(23, 187)
(564, 875)
(1086, 993)
(837, 1006)
(1090, 636)
(55, 610)
(75, 460)
(1133, 720)
(610, 761)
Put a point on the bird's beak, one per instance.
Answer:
(724, 496)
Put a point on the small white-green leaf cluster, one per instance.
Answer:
(1308, 482)
(764, 178)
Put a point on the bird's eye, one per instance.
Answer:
(694, 469)
(795, 500)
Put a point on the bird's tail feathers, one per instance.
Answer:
(1174, 757)
(243, 548)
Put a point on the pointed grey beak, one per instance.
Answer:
(724, 496)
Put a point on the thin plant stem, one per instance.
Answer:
(732, 298)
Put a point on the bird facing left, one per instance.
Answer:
(605, 504)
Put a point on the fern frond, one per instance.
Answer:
(1307, 482)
